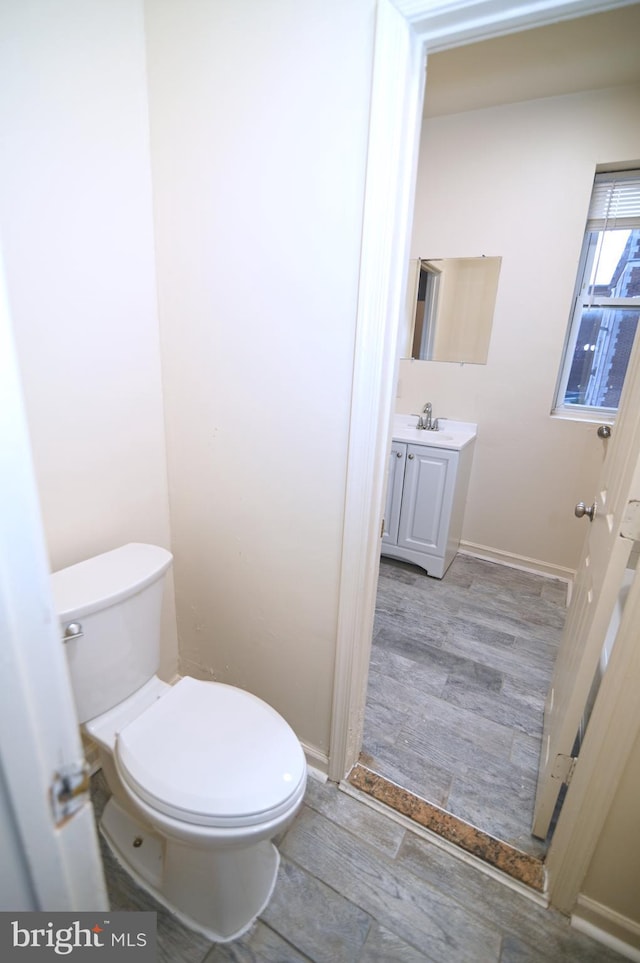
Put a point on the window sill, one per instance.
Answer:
(594, 416)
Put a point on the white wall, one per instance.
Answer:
(259, 122)
(77, 234)
(515, 181)
(610, 898)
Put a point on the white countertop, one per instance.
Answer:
(454, 435)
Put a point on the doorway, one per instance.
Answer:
(396, 107)
(459, 673)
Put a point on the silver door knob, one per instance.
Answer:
(398, 454)
(604, 431)
(581, 509)
(411, 456)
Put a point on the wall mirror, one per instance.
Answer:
(450, 308)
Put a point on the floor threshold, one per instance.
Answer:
(522, 867)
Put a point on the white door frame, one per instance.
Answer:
(54, 858)
(612, 732)
(406, 31)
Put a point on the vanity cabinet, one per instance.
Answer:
(426, 493)
(395, 482)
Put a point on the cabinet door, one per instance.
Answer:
(429, 484)
(395, 480)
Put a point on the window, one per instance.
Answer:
(606, 304)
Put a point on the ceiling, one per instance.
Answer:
(601, 50)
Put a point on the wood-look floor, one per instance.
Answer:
(459, 672)
(354, 886)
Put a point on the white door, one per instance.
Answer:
(51, 858)
(599, 577)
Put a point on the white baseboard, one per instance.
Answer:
(608, 927)
(316, 774)
(317, 762)
(522, 562)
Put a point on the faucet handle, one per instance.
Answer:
(436, 423)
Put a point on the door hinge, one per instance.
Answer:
(382, 528)
(69, 791)
(630, 525)
(563, 768)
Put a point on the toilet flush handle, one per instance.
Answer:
(72, 631)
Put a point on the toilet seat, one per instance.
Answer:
(213, 755)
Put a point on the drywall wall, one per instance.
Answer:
(259, 124)
(515, 181)
(612, 883)
(259, 210)
(77, 238)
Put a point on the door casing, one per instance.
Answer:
(406, 32)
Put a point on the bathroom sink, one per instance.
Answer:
(453, 434)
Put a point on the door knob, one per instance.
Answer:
(604, 431)
(581, 509)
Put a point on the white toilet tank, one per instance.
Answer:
(116, 599)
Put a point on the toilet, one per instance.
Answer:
(202, 775)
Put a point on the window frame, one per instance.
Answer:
(582, 297)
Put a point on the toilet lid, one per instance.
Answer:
(212, 754)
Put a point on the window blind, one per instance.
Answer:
(615, 202)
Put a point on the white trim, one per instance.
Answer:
(316, 775)
(398, 87)
(317, 760)
(594, 416)
(404, 33)
(608, 927)
(443, 24)
(522, 562)
(610, 736)
(404, 30)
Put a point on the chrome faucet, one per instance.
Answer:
(426, 422)
(425, 418)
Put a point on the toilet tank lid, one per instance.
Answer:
(107, 579)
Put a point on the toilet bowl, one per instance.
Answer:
(203, 775)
